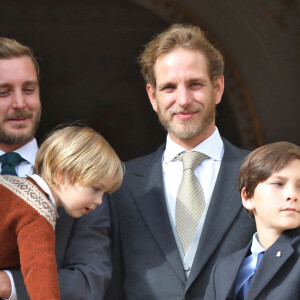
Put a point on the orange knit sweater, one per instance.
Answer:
(27, 236)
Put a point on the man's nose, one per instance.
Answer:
(18, 100)
(184, 97)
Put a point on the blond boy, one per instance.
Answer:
(74, 167)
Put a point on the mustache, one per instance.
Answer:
(185, 110)
(17, 115)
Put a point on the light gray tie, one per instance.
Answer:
(190, 202)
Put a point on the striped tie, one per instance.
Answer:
(245, 287)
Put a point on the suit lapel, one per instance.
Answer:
(148, 194)
(273, 259)
(232, 267)
(62, 232)
(224, 206)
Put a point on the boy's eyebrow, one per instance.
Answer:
(279, 177)
(100, 185)
(283, 177)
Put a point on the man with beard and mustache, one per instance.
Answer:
(161, 251)
(82, 245)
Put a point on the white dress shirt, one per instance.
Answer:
(28, 152)
(206, 172)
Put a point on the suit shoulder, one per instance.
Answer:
(234, 151)
(144, 161)
(293, 236)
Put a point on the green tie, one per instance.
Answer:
(9, 162)
(190, 202)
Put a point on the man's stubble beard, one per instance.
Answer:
(14, 139)
(188, 129)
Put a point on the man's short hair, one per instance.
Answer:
(184, 36)
(10, 48)
(81, 155)
(260, 164)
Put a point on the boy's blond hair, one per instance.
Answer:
(79, 154)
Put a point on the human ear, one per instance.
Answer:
(248, 202)
(218, 85)
(60, 179)
(151, 94)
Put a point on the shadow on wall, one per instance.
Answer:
(87, 55)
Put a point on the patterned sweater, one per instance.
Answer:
(27, 236)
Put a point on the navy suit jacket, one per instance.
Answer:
(83, 256)
(277, 278)
(146, 260)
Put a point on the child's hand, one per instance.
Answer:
(5, 285)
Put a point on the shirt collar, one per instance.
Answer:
(27, 151)
(44, 186)
(256, 247)
(213, 147)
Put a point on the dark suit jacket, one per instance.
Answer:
(146, 261)
(83, 256)
(277, 278)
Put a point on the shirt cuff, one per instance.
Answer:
(13, 295)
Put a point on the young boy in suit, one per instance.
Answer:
(74, 167)
(269, 267)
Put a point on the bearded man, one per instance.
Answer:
(82, 245)
(178, 210)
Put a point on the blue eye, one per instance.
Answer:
(96, 189)
(277, 183)
(196, 85)
(29, 90)
(4, 93)
(168, 88)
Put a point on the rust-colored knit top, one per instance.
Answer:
(27, 236)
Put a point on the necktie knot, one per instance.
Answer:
(191, 160)
(9, 162)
